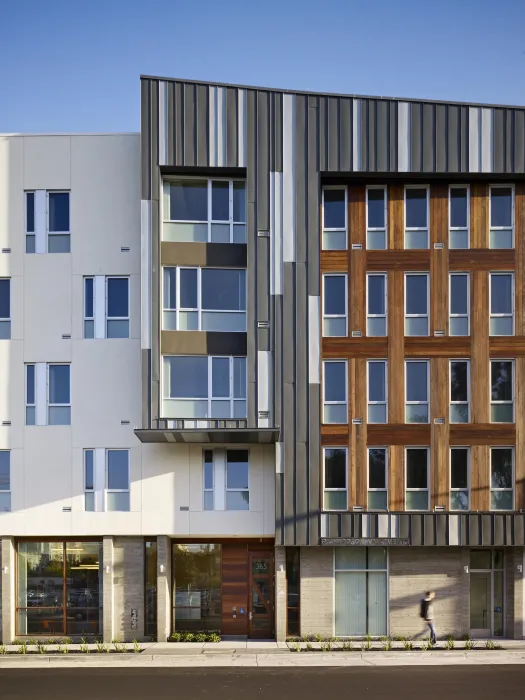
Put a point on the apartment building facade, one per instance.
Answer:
(266, 363)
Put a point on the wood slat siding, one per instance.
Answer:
(439, 443)
(405, 260)
(519, 457)
(465, 260)
(519, 281)
(438, 259)
(357, 263)
(479, 231)
(334, 261)
(234, 589)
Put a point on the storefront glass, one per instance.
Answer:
(150, 590)
(197, 587)
(293, 590)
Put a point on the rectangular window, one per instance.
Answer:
(335, 391)
(417, 303)
(376, 304)
(502, 391)
(416, 217)
(502, 478)
(30, 395)
(209, 480)
(106, 307)
(237, 480)
(204, 210)
(30, 222)
(335, 306)
(459, 217)
(377, 478)
(150, 589)
(417, 391)
(5, 308)
(5, 481)
(377, 391)
(459, 391)
(335, 218)
(47, 222)
(197, 587)
(58, 395)
(501, 303)
(89, 307)
(335, 478)
(89, 480)
(501, 216)
(204, 299)
(58, 234)
(459, 301)
(417, 478)
(459, 478)
(293, 591)
(200, 386)
(117, 480)
(376, 218)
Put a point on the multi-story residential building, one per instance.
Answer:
(263, 367)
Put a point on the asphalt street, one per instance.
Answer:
(406, 683)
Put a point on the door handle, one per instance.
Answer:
(250, 616)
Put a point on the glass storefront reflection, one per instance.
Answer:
(197, 587)
(150, 592)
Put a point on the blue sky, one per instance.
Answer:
(74, 65)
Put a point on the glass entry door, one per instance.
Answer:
(480, 606)
(261, 609)
(487, 593)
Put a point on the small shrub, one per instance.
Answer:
(309, 646)
(68, 640)
(188, 637)
(348, 645)
(489, 644)
(22, 648)
(84, 647)
(175, 637)
(51, 640)
(367, 645)
(318, 638)
(427, 646)
(407, 645)
(17, 642)
(201, 637)
(450, 643)
(32, 642)
(386, 644)
(41, 648)
(293, 639)
(136, 646)
(469, 644)
(399, 638)
(63, 649)
(296, 646)
(213, 637)
(3, 649)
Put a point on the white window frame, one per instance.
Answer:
(210, 220)
(458, 403)
(450, 314)
(330, 316)
(7, 491)
(93, 489)
(455, 489)
(100, 318)
(513, 478)
(117, 318)
(88, 319)
(335, 230)
(332, 490)
(513, 302)
(369, 489)
(26, 387)
(369, 402)
(372, 229)
(368, 314)
(204, 489)
(458, 228)
(50, 234)
(418, 403)
(414, 490)
(513, 388)
(427, 315)
(107, 490)
(57, 405)
(7, 319)
(33, 232)
(236, 490)
(335, 403)
(411, 228)
(513, 214)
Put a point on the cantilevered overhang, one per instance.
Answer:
(202, 431)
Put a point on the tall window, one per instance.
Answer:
(376, 218)
(416, 217)
(204, 299)
(197, 587)
(376, 304)
(117, 480)
(502, 391)
(335, 391)
(377, 478)
(459, 217)
(417, 303)
(106, 480)
(335, 305)
(459, 300)
(417, 478)
(377, 391)
(335, 478)
(501, 216)
(150, 588)
(47, 222)
(459, 391)
(106, 307)
(293, 590)
(209, 481)
(204, 210)
(501, 303)
(335, 216)
(5, 480)
(58, 395)
(417, 391)
(89, 481)
(361, 597)
(459, 478)
(502, 478)
(5, 309)
(226, 480)
(200, 386)
(30, 222)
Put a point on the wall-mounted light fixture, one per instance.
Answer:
(520, 568)
(465, 569)
(5, 569)
(161, 568)
(107, 569)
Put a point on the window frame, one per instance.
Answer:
(414, 228)
(56, 405)
(204, 489)
(450, 314)
(30, 234)
(369, 402)
(107, 490)
(334, 230)
(376, 490)
(513, 389)
(417, 490)
(513, 478)
(332, 490)
(458, 403)
(88, 319)
(26, 386)
(109, 318)
(418, 403)
(50, 234)
(335, 316)
(373, 229)
(458, 228)
(335, 403)
(368, 314)
(236, 490)
(6, 319)
(512, 314)
(500, 186)
(93, 489)
(453, 489)
(7, 491)
(407, 315)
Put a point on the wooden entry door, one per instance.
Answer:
(261, 590)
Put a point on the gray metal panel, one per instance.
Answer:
(263, 161)
(323, 137)
(301, 354)
(499, 530)
(300, 178)
(278, 355)
(519, 141)
(392, 161)
(345, 134)
(154, 150)
(464, 527)
(314, 451)
(146, 386)
(427, 138)
(474, 539)
(145, 138)
(454, 137)
(313, 206)
(333, 525)
(519, 530)
(486, 529)
(415, 136)
(251, 155)
(277, 131)
(416, 530)
(441, 138)
(288, 323)
(509, 135)
(288, 435)
(232, 118)
(383, 136)
(251, 316)
(263, 338)
(464, 140)
(179, 124)
(363, 130)
(428, 529)
(301, 493)
(333, 134)
(347, 525)
(263, 280)
(189, 125)
(170, 126)
(499, 141)
(358, 522)
(372, 145)
(373, 525)
(155, 310)
(441, 530)
(221, 343)
(279, 524)
(202, 127)
(404, 525)
(509, 530)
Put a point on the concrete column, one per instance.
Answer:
(128, 588)
(280, 594)
(514, 591)
(107, 589)
(164, 606)
(8, 590)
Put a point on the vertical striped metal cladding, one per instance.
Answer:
(285, 141)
